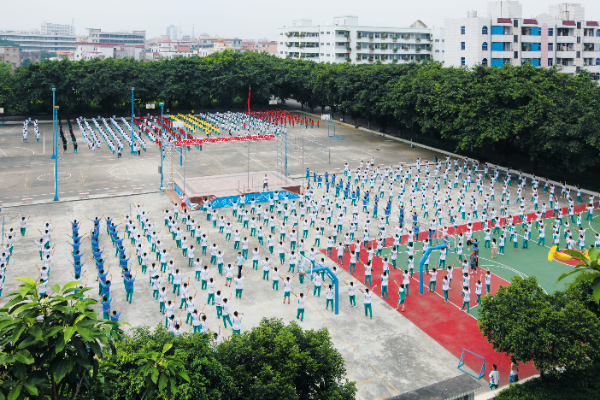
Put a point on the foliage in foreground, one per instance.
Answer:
(557, 332)
(53, 347)
(587, 269)
(272, 361)
(57, 348)
(580, 385)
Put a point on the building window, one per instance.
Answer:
(462, 45)
(484, 62)
(550, 46)
(578, 54)
(462, 30)
(463, 61)
(515, 54)
(516, 23)
(579, 25)
(550, 31)
(550, 62)
(515, 39)
(437, 40)
(484, 30)
(484, 46)
(578, 39)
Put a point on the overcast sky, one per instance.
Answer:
(247, 19)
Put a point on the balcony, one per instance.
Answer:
(502, 38)
(566, 39)
(568, 69)
(531, 54)
(565, 54)
(591, 39)
(531, 39)
(502, 54)
(591, 55)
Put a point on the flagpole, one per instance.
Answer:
(249, 91)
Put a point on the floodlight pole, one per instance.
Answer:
(53, 124)
(55, 142)
(161, 149)
(56, 158)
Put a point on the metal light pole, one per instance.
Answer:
(161, 149)
(286, 139)
(132, 115)
(55, 109)
(248, 164)
(53, 124)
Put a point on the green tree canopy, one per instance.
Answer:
(552, 331)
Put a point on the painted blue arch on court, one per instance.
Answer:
(263, 197)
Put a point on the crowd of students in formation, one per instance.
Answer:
(35, 129)
(238, 123)
(115, 137)
(369, 210)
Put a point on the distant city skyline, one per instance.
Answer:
(242, 19)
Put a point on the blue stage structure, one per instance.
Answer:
(262, 197)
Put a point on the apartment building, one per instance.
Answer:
(562, 37)
(134, 38)
(48, 28)
(28, 41)
(346, 41)
(10, 55)
(264, 47)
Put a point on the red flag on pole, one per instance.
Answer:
(249, 91)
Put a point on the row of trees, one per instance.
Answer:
(551, 117)
(57, 348)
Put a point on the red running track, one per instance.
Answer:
(445, 322)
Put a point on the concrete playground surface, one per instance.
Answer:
(386, 356)
(26, 170)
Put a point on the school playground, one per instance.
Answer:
(452, 328)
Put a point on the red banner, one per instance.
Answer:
(194, 142)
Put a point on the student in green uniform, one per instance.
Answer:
(301, 303)
(351, 293)
(367, 294)
(401, 296)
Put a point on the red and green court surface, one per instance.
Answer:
(454, 329)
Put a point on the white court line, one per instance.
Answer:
(258, 162)
(24, 148)
(3, 153)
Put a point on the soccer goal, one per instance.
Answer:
(475, 358)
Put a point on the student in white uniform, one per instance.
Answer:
(301, 305)
(368, 308)
(237, 323)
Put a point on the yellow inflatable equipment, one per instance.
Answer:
(554, 254)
